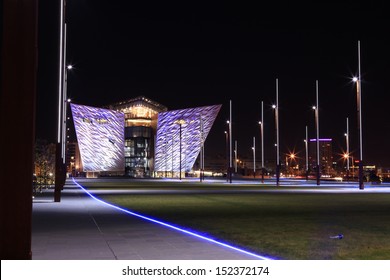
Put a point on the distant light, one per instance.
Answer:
(69, 100)
(322, 140)
(260, 123)
(355, 79)
(314, 107)
(274, 106)
(69, 67)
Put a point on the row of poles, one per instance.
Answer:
(62, 107)
(357, 80)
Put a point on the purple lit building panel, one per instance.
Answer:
(100, 135)
(195, 126)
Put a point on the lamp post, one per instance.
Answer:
(261, 123)
(306, 156)
(276, 107)
(357, 80)
(59, 166)
(235, 155)
(347, 151)
(315, 108)
(227, 154)
(230, 144)
(201, 156)
(254, 157)
(180, 123)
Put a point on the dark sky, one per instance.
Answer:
(187, 54)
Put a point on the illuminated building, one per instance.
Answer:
(144, 137)
(100, 136)
(326, 156)
(180, 136)
(140, 126)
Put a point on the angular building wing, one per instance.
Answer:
(100, 136)
(180, 136)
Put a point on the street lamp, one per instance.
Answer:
(254, 157)
(230, 144)
(357, 80)
(347, 151)
(235, 156)
(306, 156)
(276, 107)
(180, 123)
(261, 123)
(315, 108)
(227, 154)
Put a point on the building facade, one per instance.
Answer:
(140, 126)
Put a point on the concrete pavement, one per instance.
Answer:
(82, 228)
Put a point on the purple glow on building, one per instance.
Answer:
(100, 135)
(168, 140)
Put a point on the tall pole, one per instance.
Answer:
(64, 99)
(359, 107)
(227, 154)
(172, 146)
(347, 151)
(59, 166)
(277, 134)
(254, 157)
(262, 142)
(201, 156)
(230, 143)
(307, 156)
(235, 154)
(318, 135)
(180, 150)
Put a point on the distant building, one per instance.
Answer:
(73, 159)
(139, 138)
(326, 156)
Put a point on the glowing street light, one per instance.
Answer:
(346, 155)
(261, 123)
(276, 108)
(315, 108)
(357, 80)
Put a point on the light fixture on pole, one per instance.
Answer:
(306, 156)
(347, 151)
(254, 157)
(227, 154)
(201, 156)
(235, 155)
(262, 141)
(276, 107)
(59, 166)
(357, 80)
(180, 123)
(230, 144)
(318, 173)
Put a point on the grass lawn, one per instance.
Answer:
(292, 225)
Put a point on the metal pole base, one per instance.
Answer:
(361, 184)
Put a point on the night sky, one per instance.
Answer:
(187, 54)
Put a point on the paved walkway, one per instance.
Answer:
(81, 228)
